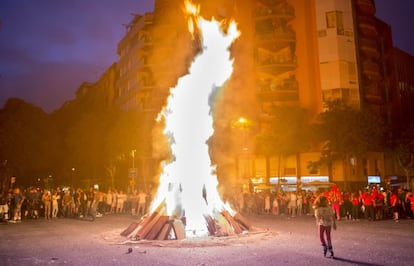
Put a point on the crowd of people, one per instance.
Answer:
(371, 203)
(34, 203)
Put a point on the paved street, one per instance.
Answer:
(274, 241)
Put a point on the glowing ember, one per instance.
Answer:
(188, 184)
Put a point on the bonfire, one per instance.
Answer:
(187, 203)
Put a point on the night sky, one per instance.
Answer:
(49, 47)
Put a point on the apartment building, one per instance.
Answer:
(291, 52)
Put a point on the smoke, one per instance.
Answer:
(174, 50)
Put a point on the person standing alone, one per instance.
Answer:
(47, 202)
(325, 220)
(142, 199)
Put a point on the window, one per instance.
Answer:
(376, 167)
(365, 166)
(335, 19)
(322, 33)
(331, 19)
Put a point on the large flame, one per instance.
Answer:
(188, 183)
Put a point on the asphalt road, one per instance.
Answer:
(274, 241)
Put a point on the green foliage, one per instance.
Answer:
(28, 140)
(345, 131)
(287, 133)
(126, 133)
(404, 150)
(87, 134)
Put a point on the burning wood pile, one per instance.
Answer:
(159, 226)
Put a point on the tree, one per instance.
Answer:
(347, 132)
(28, 141)
(128, 132)
(286, 133)
(84, 124)
(86, 143)
(404, 151)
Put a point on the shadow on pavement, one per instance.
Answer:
(356, 262)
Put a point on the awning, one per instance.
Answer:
(317, 183)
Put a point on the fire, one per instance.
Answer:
(188, 183)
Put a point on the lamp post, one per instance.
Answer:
(133, 158)
(243, 125)
(133, 171)
(72, 173)
(48, 182)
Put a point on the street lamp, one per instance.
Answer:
(133, 171)
(73, 173)
(48, 182)
(133, 157)
(243, 125)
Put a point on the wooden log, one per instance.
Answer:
(144, 231)
(145, 220)
(179, 229)
(165, 231)
(130, 229)
(137, 232)
(211, 225)
(223, 226)
(156, 228)
(242, 220)
(242, 226)
(236, 227)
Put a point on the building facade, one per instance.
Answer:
(291, 53)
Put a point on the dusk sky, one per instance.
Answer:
(49, 47)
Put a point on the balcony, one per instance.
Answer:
(370, 69)
(147, 44)
(278, 95)
(270, 2)
(366, 26)
(276, 65)
(366, 7)
(373, 96)
(369, 48)
(149, 19)
(284, 12)
(285, 84)
(147, 83)
(343, 94)
(285, 90)
(277, 35)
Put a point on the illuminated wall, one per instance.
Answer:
(337, 51)
(291, 52)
